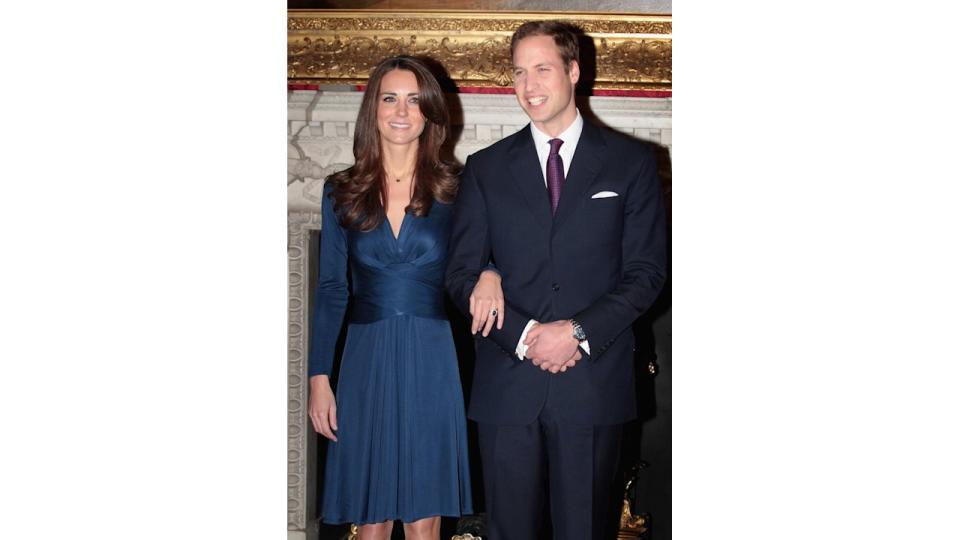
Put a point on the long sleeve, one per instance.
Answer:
(470, 254)
(644, 264)
(330, 300)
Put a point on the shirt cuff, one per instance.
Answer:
(521, 348)
(585, 345)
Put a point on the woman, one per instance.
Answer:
(398, 445)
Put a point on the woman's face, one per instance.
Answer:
(398, 108)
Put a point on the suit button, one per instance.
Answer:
(555, 287)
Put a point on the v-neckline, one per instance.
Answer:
(403, 221)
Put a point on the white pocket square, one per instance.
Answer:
(604, 195)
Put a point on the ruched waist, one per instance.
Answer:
(365, 312)
(383, 294)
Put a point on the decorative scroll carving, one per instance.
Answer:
(500, 23)
(632, 51)
(299, 225)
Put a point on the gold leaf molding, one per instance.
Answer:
(632, 52)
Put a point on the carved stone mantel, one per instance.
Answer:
(320, 142)
(321, 124)
(300, 438)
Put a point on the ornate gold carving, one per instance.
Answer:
(342, 47)
(402, 22)
(631, 526)
(630, 523)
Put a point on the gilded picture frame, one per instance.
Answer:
(631, 52)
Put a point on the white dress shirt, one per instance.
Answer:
(570, 138)
(541, 141)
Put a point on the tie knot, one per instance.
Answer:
(555, 146)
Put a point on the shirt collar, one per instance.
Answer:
(570, 136)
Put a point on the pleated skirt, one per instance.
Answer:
(402, 439)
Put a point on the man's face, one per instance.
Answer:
(544, 89)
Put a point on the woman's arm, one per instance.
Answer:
(486, 302)
(330, 308)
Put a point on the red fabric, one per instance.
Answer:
(508, 90)
(634, 93)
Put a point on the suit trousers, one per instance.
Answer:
(569, 467)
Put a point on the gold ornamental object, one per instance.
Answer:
(632, 52)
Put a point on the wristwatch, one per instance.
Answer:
(578, 333)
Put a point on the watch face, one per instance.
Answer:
(578, 333)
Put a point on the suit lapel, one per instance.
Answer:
(525, 167)
(586, 165)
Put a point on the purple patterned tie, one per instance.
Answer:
(554, 173)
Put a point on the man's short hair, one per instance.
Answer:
(561, 32)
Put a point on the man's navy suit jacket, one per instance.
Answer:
(600, 261)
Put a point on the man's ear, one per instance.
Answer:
(574, 71)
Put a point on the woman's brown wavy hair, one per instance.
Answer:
(359, 192)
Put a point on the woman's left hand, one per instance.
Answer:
(486, 303)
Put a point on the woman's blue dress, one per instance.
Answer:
(402, 440)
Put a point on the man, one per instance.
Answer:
(571, 216)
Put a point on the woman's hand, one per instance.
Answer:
(486, 303)
(323, 407)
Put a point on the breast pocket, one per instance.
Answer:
(604, 218)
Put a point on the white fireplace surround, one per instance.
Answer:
(320, 142)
